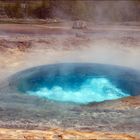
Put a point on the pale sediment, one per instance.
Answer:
(22, 51)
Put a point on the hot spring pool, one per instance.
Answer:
(77, 83)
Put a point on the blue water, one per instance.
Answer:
(77, 83)
(91, 90)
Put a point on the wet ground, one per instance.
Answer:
(26, 46)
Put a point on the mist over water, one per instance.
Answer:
(80, 83)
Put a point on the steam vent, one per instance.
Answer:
(82, 96)
(69, 69)
(77, 83)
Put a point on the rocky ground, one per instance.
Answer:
(58, 134)
(24, 46)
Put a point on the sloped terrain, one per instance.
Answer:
(23, 47)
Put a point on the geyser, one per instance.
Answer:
(78, 83)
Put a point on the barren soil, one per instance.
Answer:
(25, 46)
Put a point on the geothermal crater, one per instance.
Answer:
(71, 95)
(77, 83)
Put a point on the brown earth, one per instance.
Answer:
(59, 134)
(20, 48)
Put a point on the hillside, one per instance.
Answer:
(73, 9)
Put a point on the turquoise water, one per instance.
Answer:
(77, 83)
(91, 90)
